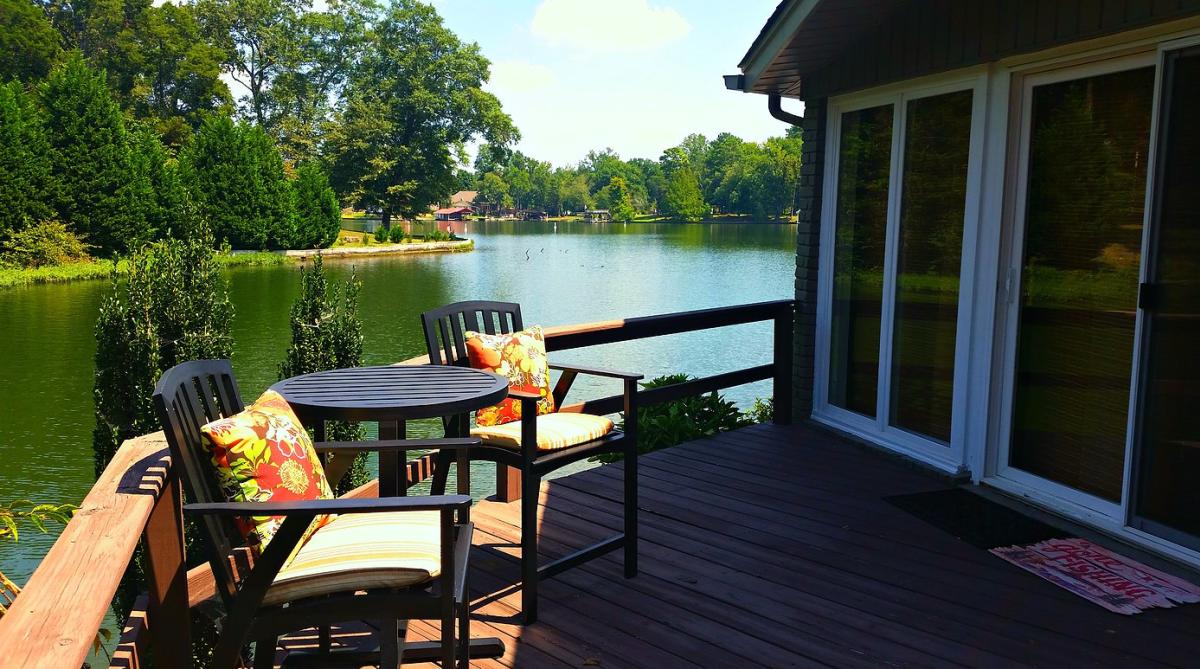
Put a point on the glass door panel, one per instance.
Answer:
(1167, 498)
(937, 142)
(864, 174)
(1087, 149)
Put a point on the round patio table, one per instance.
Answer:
(389, 395)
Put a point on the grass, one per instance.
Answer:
(103, 269)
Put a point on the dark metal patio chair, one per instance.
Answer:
(257, 605)
(445, 341)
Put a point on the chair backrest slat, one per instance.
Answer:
(187, 397)
(445, 328)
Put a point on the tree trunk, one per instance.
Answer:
(387, 219)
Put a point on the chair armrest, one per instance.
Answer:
(597, 371)
(334, 447)
(523, 395)
(331, 506)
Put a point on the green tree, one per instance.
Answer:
(179, 75)
(154, 184)
(683, 199)
(615, 197)
(493, 189)
(90, 158)
(257, 39)
(411, 105)
(318, 217)
(25, 183)
(327, 334)
(29, 45)
(236, 176)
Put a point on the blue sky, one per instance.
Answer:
(633, 75)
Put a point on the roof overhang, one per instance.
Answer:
(802, 36)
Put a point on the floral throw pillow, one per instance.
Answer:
(521, 358)
(264, 454)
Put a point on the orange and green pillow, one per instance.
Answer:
(264, 454)
(520, 357)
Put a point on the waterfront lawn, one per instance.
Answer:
(103, 269)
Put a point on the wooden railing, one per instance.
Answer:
(137, 499)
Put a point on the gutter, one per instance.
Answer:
(775, 107)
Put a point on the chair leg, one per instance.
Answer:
(530, 491)
(389, 644)
(264, 652)
(441, 472)
(631, 510)
(464, 632)
(449, 620)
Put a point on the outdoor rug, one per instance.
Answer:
(1099, 575)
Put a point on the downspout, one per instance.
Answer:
(775, 106)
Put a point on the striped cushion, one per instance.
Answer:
(360, 551)
(554, 431)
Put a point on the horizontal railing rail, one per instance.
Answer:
(137, 499)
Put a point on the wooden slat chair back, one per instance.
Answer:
(193, 394)
(445, 341)
(445, 328)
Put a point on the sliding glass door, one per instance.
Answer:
(1167, 454)
(899, 207)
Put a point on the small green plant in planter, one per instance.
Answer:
(671, 423)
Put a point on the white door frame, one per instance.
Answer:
(950, 456)
(1005, 475)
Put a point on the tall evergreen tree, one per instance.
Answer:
(318, 217)
(683, 199)
(29, 45)
(25, 184)
(327, 334)
(155, 186)
(89, 158)
(236, 176)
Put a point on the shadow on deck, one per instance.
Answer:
(772, 546)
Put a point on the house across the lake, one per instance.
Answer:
(597, 216)
(999, 248)
(451, 213)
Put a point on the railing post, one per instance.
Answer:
(784, 329)
(169, 619)
(508, 483)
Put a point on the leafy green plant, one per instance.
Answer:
(762, 411)
(327, 334)
(381, 234)
(670, 423)
(43, 244)
(396, 235)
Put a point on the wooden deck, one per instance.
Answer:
(772, 547)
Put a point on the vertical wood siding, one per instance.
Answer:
(929, 36)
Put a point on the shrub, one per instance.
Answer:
(762, 411)
(173, 306)
(381, 234)
(670, 423)
(43, 244)
(318, 217)
(396, 235)
(327, 334)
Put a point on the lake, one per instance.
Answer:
(559, 272)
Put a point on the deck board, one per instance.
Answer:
(774, 547)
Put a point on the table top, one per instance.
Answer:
(392, 392)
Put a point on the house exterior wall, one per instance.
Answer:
(930, 36)
(808, 249)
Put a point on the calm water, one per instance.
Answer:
(560, 273)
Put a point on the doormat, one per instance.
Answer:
(975, 519)
(1115, 582)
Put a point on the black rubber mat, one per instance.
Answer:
(975, 519)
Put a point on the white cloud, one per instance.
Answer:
(608, 25)
(520, 76)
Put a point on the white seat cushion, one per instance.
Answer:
(554, 431)
(360, 551)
